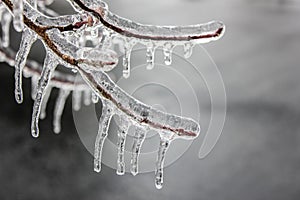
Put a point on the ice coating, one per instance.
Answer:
(200, 33)
(92, 63)
(96, 57)
(176, 126)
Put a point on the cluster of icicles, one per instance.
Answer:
(93, 63)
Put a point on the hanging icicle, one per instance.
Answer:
(28, 38)
(167, 49)
(5, 24)
(139, 137)
(104, 121)
(122, 132)
(18, 15)
(163, 147)
(45, 102)
(34, 83)
(76, 100)
(87, 97)
(188, 49)
(59, 108)
(150, 56)
(50, 64)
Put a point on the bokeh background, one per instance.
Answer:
(258, 154)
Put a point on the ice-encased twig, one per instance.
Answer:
(28, 38)
(104, 122)
(139, 137)
(59, 108)
(50, 64)
(175, 126)
(163, 147)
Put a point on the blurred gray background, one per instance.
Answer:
(258, 154)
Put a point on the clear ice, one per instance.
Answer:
(50, 64)
(104, 122)
(122, 133)
(139, 137)
(58, 110)
(163, 147)
(18, 15)
(28, 38)
(93, 63)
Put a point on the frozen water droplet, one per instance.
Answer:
(167, 49)
(150, 56)
(139, 137)
(27, 40)
(49, 66)
(59, 108)
(122, 132)
(104, 122)
(188, 49)
(163, 147)
(76, 100)
(18, 15)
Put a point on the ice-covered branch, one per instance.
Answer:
(65, 38)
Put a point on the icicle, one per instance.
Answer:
(167, 49)
(18, 15)
(87, 97)
(59, 108)
(138, 140)
(104, 122)
(122, 132)
(34, 84)
(163, 147)
(126, 59)
(5, 24)
(95, 98)
(28, 39)
(49, 65)
(44, 103)
(77, 94)
(188, 49)
(150, 56)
